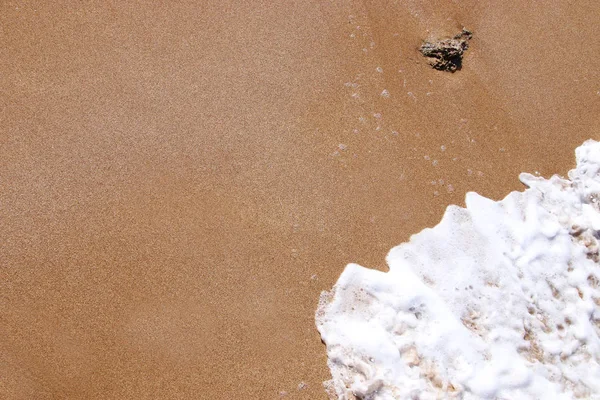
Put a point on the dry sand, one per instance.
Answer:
(180, 180)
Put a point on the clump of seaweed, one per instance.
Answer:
(447, 54)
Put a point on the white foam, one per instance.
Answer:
(499, 301)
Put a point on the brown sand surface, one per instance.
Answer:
(180, 180)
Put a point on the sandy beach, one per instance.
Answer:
(180, 180)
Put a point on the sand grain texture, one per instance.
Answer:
(180, 180)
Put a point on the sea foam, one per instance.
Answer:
(500, 300)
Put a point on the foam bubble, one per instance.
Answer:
(499, 300)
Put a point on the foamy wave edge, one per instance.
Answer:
(500, 300)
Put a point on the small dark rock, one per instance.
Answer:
(447, 54)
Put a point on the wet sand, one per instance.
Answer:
(181, 180)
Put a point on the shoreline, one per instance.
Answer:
(184, 181)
